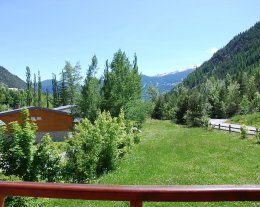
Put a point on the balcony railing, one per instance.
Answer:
(136, 195)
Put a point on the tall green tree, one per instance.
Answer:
(90, 92)
(35, 95)
(55, 90)
(39, 89)
(72, 80)
(63, 90)
(28, 86)
(124, 83)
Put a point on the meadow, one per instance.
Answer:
(170, 154)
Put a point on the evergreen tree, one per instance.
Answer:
(47, 99)
(55, 90)
(72, 80)
(39, 90)
(90, 93)
(35, 95)
(28, 87)
(63, 92)
(124, 83)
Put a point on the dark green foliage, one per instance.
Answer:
(28, 87)
(35, 95)
(158, 111)
(55, 91)
(39, 90)
(10, 98)
(196, 115)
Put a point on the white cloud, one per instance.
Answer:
(212, 50)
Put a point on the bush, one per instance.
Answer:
(95, 148)
(46, 161)
(243, 131)
(138, 111)
(257, 136)
(16, 147)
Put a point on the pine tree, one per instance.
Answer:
(28, 87)
(34, 90)
(62, 90)
(90, 93)
(55, 90)
(39, 90)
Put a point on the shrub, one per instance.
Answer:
(138, 111)
(16, 147)
(243, 131)
(46, 161)
(96, 147)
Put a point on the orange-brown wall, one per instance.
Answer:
(50, 121)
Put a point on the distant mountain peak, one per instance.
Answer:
(174, 72)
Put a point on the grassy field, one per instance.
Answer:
(249, 120)
(174, 155)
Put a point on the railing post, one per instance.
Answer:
(218, 126)
(2, 201)
(136, 204)
(229, 128)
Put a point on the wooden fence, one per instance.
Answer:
(136, 195)
(230, 128)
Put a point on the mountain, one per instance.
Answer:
(241, 54)
(47, 85)
(10, 80)
(165, 82)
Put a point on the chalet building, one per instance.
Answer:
(54, 122)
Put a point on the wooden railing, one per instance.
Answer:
(230, 128)
(136, 195)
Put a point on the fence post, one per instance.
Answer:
(136, 204)
(229, 128)
(2, 201)
(218, 126)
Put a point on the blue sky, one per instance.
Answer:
(166, 35)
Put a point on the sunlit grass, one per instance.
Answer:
(249, 120)
(174, 155)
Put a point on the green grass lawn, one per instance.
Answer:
(174, 155)
(249, 120)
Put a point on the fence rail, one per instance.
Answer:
(230, 128)
(136, 195)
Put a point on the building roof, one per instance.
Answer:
(64, 107)
(31, 107)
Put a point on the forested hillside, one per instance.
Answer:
(226, 85)
(242, 53)
(10, 80)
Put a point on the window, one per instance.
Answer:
(36, 118)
